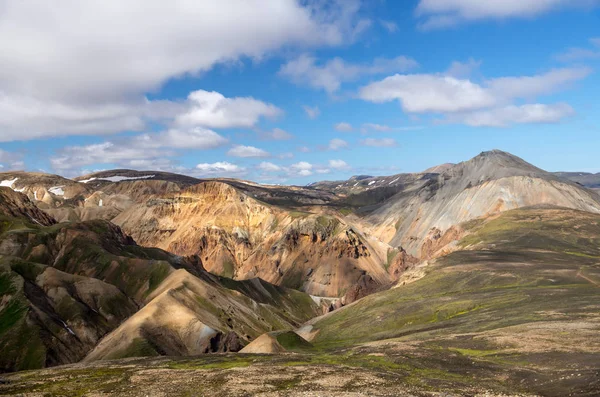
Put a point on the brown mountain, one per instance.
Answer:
(64, 287)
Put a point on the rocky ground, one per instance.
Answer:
(368, 372)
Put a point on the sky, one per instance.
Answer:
(296, 91)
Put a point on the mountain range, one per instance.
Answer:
(464, 277)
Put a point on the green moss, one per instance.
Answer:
(476, 353)
(298, 214)
(158, 275)
(27, 270)
(139, 347)
(6, 284)
(345, 211)
(14, 311)
(291, 341)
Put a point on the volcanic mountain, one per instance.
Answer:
(335, 239)
(63, 287)
(479, 277)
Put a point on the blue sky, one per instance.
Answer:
(294, 92)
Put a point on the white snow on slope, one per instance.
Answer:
(372, 182)
(8, 182)
(395, 180)
(57, 190)
(117, 178)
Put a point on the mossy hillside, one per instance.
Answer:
(474, 291)
(292, 342)
(97, 249)
(20, 344)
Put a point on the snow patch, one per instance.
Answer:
(100, 203)
(35, 195)
(372, 182)
(395, 180)
(57, 190)
(8, 182)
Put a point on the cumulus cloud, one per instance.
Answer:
(377, 127)
(438, 14)
(525, 114)
(84, 67)
(423, 93)
(268, 167)
(277, 134)
(194, 138)
(338, 165)
(213, 110)
(76, 157)
(366, 127)
(331, 75)
(247, 151)
(384, 142)
(343, 127)
(140, 152)
(337, 144)
(447, 95)
(312, 112)
(532, 86)
(220, 168)
(302, 168)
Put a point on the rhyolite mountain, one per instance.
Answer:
(65, 286)
(481, 278)
(340, 239)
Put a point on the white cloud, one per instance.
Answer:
(269, 167)
(384, 142)
(247, 151)
(84, 67)
(331, 75)
(338, 165)
(337, 144)
(194, 138)
(377, 127)
(220, 168)
(386, 128)
(277, 134)
(532, 86)
(140, 152)
(390, 26)
(301, 169)
(213, 110)
(525, 114)
(491, 100)
(304, 149)
(579, 54)
(437, 14)
(343, 127)
(462, 70)
(312, 112)
(74, 157)
(423, 93)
